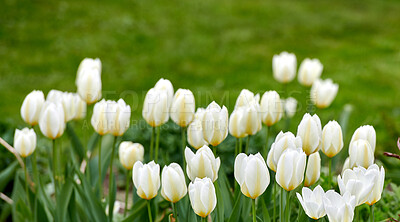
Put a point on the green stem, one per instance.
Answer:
(214, 149)
(175, 213)
(126, 192)
(204, 219)
(236, 146)
(183, 137)
(153, 134)
(26, 183)
(330, 172)
(357, 216)
(36, 176)
(157, 143)
(55, 169)
(266, 141)
(149, 211)
(281, 205)
(305, 172)
(247, 144)
(110, 182)
(372, 216)
(100, 181)
(287, 206)
(254, 209)
(240, 145)
(274, 197)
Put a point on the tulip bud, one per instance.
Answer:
(51, 120)
(25, 141)
(252, 119)
(130, 153)
(313, 170)
(332, 139)
(99, 118)
(358, 182)
(31, 107)
(246, 98)
(146, 179)
(173, 183)
(80, 107)
(89, 84)
(309, 71)
(166, 86)
(202, 196)
(88, 64)
(376, 193)
(118, 117)
(282, 142)
(366, 132)
(323, 92)
(361, 154)
(290, 106)
(183, 107)
(290, 169)
(215, 124)
(309, 130)
(236, 123)
(271, 108)
(284, 67)
(202, 164)
(155, 107)
(195, 130)
(252, 174)
(67, 100)
(339, 208)
(312, 202)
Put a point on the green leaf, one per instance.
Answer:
(235, 215)
(219, 210)
(63, 200)
(76, 143)
(7, 174)
(265, 211)
(137, 209)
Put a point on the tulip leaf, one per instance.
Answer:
(235, 215)
(75, 142)
(219, 210)
(7, 174)
(63, 200)
(137, 209)
(265, 213)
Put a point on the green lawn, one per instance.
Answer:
(214, 48)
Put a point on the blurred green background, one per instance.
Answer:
(214, 48)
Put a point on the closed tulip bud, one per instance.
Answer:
(252, 119)
(89, 85)
(99, 118)
(358, 182)
(246, 98)
(252, 174)
(66, 99)
(173, 183)
(309, 71)
(202, 164)
(25, 141)
(195, 130)
(215, 124)
(313, 170)
(118, 117)
(80, 107)
(282, 142)
(309, 130)
(202, 196)
(155, 108)
(130, 153)
(284, 67)
(271, 108)
(237, 123)
(146, 179)
(366, 132)
(290, 106)
(31, 107)
(346, 165)
(55, 96)
(166, 86)
(87, 64)
(323, 92)
(339, 208)
(183, 107)
(376, 193)
(361, 154)
(290, 169)
(312, 202)
(51, 120)
(332, 139)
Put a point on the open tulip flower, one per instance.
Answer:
(282, 142)
(31, 107)
(313, 169)
(202, 164)
(215, 124)
(202, 196)
(366, 132)
(339, 208)
(376, 193)
(323, 92)
(284, 67)
(146, 178)
(309, 130)
(173, 183)
(312, 202)
(251, 173)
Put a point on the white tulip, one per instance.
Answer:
(89, 85)
(51, 120)
(215, 124)
(271, 108)
(282, 142)
(312, 202)
(202, 164)
(31, 107)
(80, 107)
(313, 169)
(195, 130)
(25, 141)
(118, 117)
(183, 107)
(339, 208)
(166, 86)
(366, 132)
(252, 174)
(332, 139)
(252, 119)
(146, 179)
(346, 165)
(246, 98)
(284, 67)
(237, 122)
(87, 64)
(290, 169)
(290, 106)
(309, 71)
(173, 183)
(99, 118)
(358, 182)
(361, 154)
(323, 92)
(130, 153)
(202, 196)
(309, 130)
(55, 96)
(156, 108)
(69, 105)
(376, 193)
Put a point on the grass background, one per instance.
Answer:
(214, 48)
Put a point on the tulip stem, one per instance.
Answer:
(99, 169)
(274, 197)
(153, 134)
(26, 182)
(330, 172)
(247, 144)
(204, 219)
(236, 147)
(266, 141)
(126, 192)
(372, 217)
(157, 143)
(174, 210)
(37, 182)
(240, 145)
(253, 201)
(55, 169)
(183, 130)
(281, 205)
(149, 211)
(110, 182)
(287, 207)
